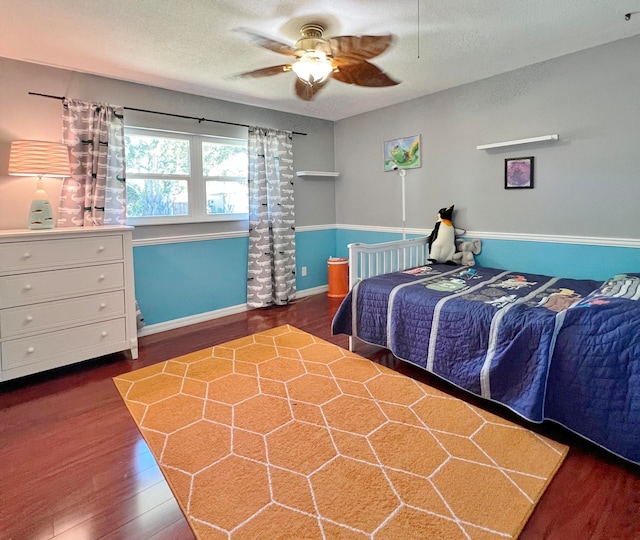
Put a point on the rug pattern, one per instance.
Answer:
(284, 435)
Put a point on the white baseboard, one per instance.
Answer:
(312, 291)
(216, 314)
(191, 319)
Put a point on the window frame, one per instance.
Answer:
(196, 180)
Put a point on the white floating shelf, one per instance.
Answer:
(317, 173)
(553, 137)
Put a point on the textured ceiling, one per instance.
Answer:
(189, 45)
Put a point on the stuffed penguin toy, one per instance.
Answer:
(442, 240)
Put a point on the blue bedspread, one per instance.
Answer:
(548, 348)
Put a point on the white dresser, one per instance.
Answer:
(66, 295)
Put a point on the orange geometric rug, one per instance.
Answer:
(284, 435)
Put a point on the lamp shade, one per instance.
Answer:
(39, 158)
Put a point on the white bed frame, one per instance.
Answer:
(368, 260)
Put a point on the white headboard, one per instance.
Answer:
(367, 260)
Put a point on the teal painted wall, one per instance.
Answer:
(188, 278)
(184, 279)
(577, 261)
(346, 237)
(313, 249)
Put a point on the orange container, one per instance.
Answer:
(338, 277)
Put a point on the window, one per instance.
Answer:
(224, 169)
(178, 177)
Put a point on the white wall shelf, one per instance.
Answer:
(553, 137)
(317, 173)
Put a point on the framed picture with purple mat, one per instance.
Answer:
(518, 173)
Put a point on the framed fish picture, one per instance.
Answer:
(402, 153)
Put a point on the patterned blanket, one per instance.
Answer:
(521, 339)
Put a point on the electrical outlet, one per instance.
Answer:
(303, 271)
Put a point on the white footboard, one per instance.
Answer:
(368, 260)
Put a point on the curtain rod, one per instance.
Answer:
(61, 98)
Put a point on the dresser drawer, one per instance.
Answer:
(33, 255)
(59, 346)
(22, 289)
(45, 317)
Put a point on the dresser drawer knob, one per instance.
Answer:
(29, 318)
(100, 249)
(103, 333)
(26, 255)
(101, 277)
(103, 305)
(27, 287)
(31, 350)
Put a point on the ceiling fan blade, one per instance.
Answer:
(360, 47)
(267, 43)
(306, 92)
(265, 72)
(361, 73)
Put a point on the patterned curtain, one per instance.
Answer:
(272, 251)
(95, 192)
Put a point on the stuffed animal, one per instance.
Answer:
(442, 238)
(466, 251)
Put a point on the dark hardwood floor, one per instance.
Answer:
(74, 466)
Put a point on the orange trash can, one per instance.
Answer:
(338, 269)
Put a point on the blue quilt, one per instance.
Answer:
(549, 348)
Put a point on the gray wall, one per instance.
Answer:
(586, 184)
(30, 117)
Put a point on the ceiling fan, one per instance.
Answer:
(344, 58)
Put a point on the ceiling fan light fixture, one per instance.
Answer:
(312, 67)
(314, 59)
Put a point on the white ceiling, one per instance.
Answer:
(189, 45)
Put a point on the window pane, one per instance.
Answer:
(227, 197)
(157, 198)
(156, 155)
(224, 159)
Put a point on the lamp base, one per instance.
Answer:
(41, 215)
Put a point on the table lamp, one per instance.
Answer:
(39, 158)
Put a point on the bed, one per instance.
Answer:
(548, 348)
